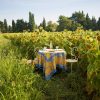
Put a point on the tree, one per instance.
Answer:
(43, 24)
(67, 23)
(9, 29)
(13, 26)
(88, 22)
(19, 25)
(98, 24)
(79, 17)
(52, 27)
(64, 23)
(31, 22)
(25, 26)
(1, 26)
(75, 25)
(94, 24)
(5, 26)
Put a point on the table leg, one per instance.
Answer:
(71, 67)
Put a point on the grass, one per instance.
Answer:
(3, 41)
(16, 78)
(19, 82)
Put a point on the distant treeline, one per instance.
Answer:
(78, 19)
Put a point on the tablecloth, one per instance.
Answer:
(49, 60)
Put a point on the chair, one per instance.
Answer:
(72, 60)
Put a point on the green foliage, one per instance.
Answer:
(16, 78)
(5, 26)
(18, 81)
(64, 23)
(68, 86)
(9, 29)
(88, 24)
(98, 24)
(94, 24)
(68, 23)
(77, 19)
(32, 25)
(94, 72)
(20, 25)
(13, 26)
(43, 24)
(1, 26)
(51, 27)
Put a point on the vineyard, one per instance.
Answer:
(19, 81)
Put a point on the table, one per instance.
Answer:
(49, 59)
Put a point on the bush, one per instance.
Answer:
(16, 79)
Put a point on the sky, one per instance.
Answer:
(49, 9)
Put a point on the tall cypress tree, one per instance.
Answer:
(31, 22)
(1, 26)
(9, 29)
(98, 24)
(94, 24)
(44, 24)
(88, 22)
(13, 26)
(5, 26)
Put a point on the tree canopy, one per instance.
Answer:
(77, 19)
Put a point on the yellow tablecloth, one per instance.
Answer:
(50, 60)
